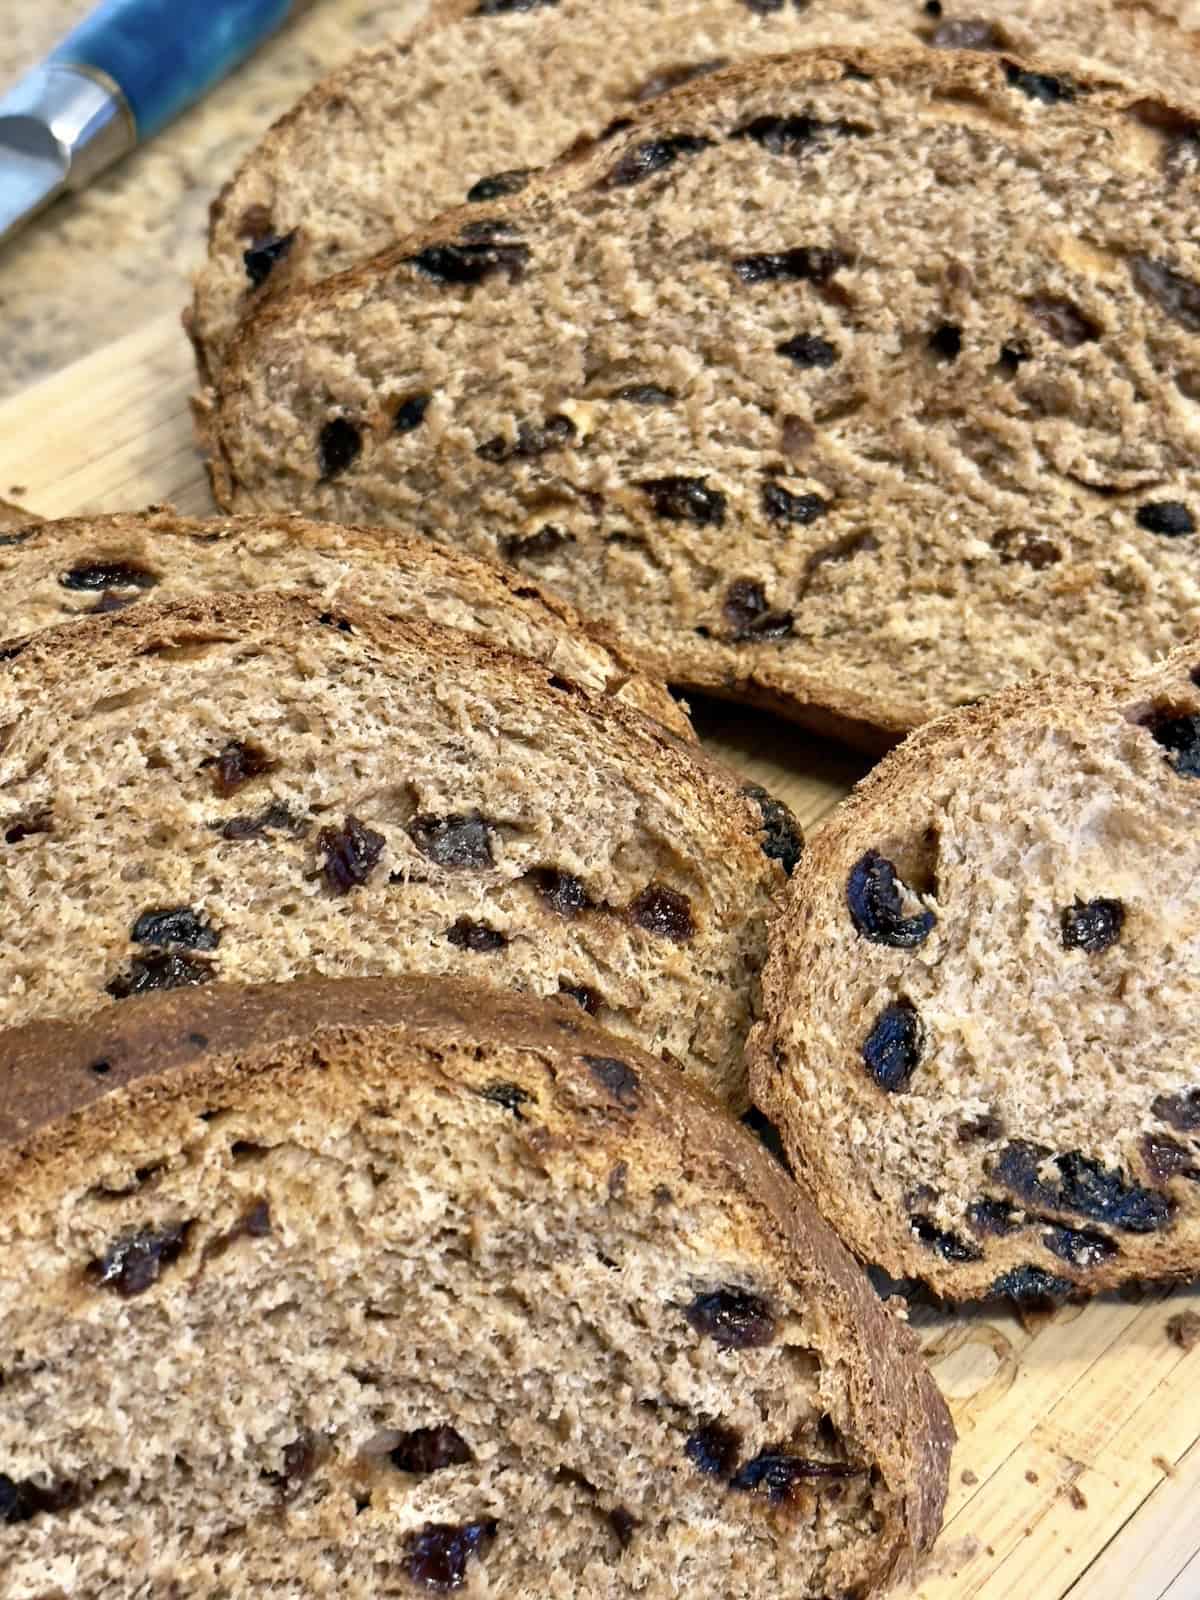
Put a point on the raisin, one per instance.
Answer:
(892, 1050)
(439, 1553)
(274, 818)
(645, 394)
(996, 1217)
(782, 838)
(1082, 1247)
(265, 254)
(563, 893)
(667, 78)
(339, 445)
(476, 936)
(175, 925)
(946, 341)
(410, 413)
(806, 262)
(237, 764)
(351, 853)
(948, 1245)
(532, 440)
(808, 350)
(1181, 1110)
(714, 1449)
(462, 839)
(472, 263)
(1084, 1187)
(651, 156)
(1064, 321)
(791, 136)
(734, 1319)
(21, 1499)
(749, 616)
(542, 543)
(969, 33)
(777, 1474)
(509, 1095)
(1039, 85)
(932, 8)
(1016, 545)
(328, 619)
(766, 8)
(1180, 737)
(589, 999)
(987, 1126)
(23, 537)
(1092, 925)
(501, 8)
(427, 1450)
(162, 970)
(617, 1076)
(663, 912)
(782, 506)
(1167, 517)
(1030, 1284)
(92, 575)
(1176, 296)
(135, 1263)
(499, 184)
(1165, 1159)
(685, 500)
(28, 825)
(875, 906)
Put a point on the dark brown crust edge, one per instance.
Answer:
(64, 1081)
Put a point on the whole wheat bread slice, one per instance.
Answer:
(397, 134)
(78, 567)
(13, 518)
(983, 995)
(372, 1287)
(855, 436)
(263, 787)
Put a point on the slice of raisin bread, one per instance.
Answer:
(365, 1287)
(13, 519)
(984, 992)
(95, 564)
(813, 429)
(261, 787)
(398, 134)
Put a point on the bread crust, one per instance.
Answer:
(71, 1088)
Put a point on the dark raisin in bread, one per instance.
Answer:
(982, 996)
(813, 430)
(372, 1287)
(399, 133)
(96, 564)
(261, 787)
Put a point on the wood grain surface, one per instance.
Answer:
(1078, 1468)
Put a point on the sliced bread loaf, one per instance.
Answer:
(383, 1288)
(96, 564)
(398, 134)
(984, 993)
(849, 434)
(260, 787)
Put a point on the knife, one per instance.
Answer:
(123, 73)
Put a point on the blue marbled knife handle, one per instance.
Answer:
(164, 54)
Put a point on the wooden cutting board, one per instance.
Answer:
(1078, 1467)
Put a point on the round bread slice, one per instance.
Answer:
(983, 995)
(85, 565)
(400, 133)
(811, 428)
(373, 1287)
(260, 787)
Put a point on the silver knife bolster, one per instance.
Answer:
(75, 115)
